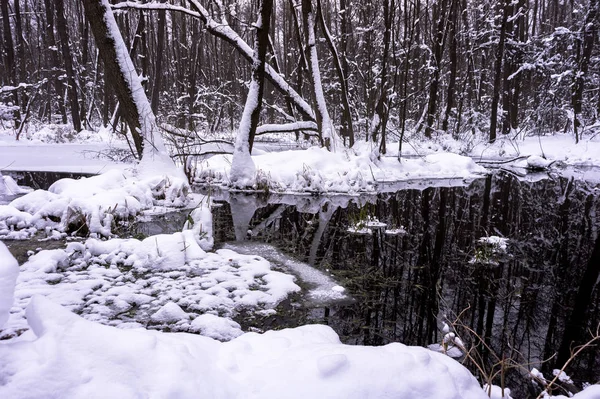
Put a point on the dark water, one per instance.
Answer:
(535, 301)
(41, 180)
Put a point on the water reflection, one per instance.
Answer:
(536, 299)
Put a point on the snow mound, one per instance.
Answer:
(8, 186)
(216, 327)
(169, 313)
(9, 270)
(90, 205)
(74, 358)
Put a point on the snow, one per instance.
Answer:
(9, 269)
(93, 203)
(497, 243)
(162, 280)
(67, 356)
(323, 289)
(348, 171)
(243, 171)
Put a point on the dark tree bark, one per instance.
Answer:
(53, 60)
(585, 45)
(381, 109)
(9, 56)
(452, 21)
(258, 68)
(322, 115)
(61, 25)
(440, 11)
(347, 128)
(158, 72)
(498, 71)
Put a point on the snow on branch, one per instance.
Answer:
(223, 31)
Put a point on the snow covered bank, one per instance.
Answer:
(9, 187)
(90, 205)
(349, 171)
(53, 148)
(73, 358)
(162, 282)
(9, 269)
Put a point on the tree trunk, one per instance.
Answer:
(498, 71)
(438, 51)
(242, 167)
(585, 45)
(119, 70)
(322, 115)
(9, 57)
(348, 130)
(61, 25)
(158, 72)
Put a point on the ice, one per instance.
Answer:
(323, 289)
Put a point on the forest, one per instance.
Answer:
(380, 70)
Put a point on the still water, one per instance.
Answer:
(414, 259)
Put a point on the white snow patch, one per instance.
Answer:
(9, 270)
(219, 328)
(169, 313)
(75, 358)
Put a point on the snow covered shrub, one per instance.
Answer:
(7, 111)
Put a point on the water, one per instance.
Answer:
(423, 265)
(412, 259)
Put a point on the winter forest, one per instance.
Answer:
(385, 69)
(299, 199)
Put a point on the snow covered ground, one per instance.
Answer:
(358, 170)
(51, 149)
(123, 290)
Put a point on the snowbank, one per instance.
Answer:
(90, 205)
(349, 171)
(8, 186)
(163, 282)
(70, 357)
(9, 270)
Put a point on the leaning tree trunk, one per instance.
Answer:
(242, 167)
(119, 70)
(346, 114)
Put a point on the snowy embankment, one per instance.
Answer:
(68, 357)
(90, 205)
(167, 281)
(348, 171)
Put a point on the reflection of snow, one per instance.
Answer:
(497, 243)
(365, 227)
